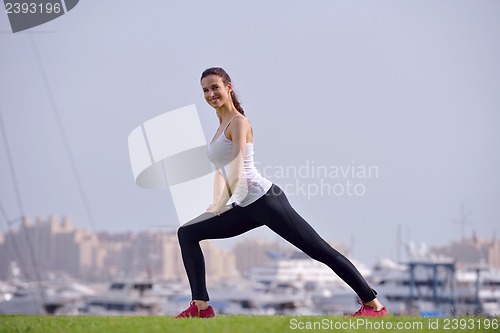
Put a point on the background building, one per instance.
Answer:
(49, 246)
(472, 252)
(252, 252)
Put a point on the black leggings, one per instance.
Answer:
(274, 211)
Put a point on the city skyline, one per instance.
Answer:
(41, 247)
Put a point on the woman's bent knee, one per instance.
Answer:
(182, 234)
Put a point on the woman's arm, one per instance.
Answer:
(219, 186)
(237, 134)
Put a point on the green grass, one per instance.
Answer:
(242, 324)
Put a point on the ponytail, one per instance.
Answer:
(237, 103)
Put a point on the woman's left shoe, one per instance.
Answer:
(194, 312)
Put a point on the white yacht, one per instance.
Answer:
(46, 297)
(304, 286)
(299, 270)
(125, 297)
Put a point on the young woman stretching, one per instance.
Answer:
(244, 200)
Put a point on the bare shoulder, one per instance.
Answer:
(241, 121)
(240, 126)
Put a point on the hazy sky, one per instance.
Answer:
(410, 88)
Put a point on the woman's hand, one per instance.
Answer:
(217, 210)
(211, 208)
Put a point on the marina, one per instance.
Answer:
(290, 284)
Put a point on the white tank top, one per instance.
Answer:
(252, 185)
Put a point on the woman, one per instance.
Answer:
(244, 200)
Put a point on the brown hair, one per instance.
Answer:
(226, 79)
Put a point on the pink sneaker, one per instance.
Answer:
(194, 312)
(368, 311)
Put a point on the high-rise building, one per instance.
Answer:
(51, 246)
(220, 264)
(47, 245)
(494, 254)
(253, 252)
(472, 252)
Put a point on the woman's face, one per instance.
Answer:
(215, 92)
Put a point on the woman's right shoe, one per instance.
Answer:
(194, 312)
(368, 311)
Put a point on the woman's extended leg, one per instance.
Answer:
(277, 213)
